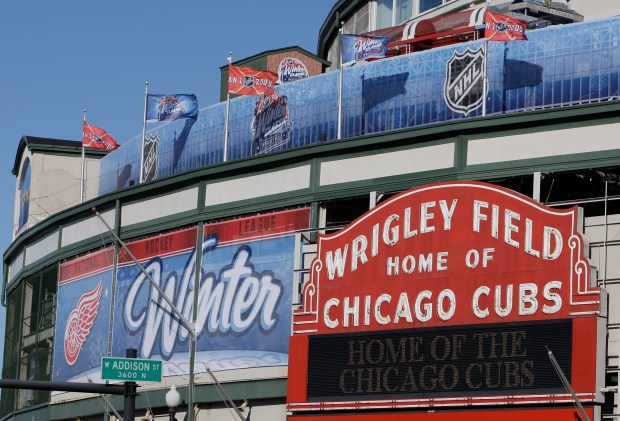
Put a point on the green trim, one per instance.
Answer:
(329, 30)
(389, 183)
(202, 196)
(158, 224)
(460, 158)
(545, 165)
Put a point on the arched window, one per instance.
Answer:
(24, 194)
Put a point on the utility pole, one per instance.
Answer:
(129, 407)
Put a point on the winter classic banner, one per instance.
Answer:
(83, 316)
(244, 294)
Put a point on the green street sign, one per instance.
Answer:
(130, 369)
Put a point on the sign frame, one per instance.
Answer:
(359, 286)
(130, 373)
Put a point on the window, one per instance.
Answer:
(384, 14)
(29, 338)
(24, 195)
(394, 12)
(429, 4)
(358, 23)
(403, 11)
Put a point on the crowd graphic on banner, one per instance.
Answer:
(522, 75)
(244, 298)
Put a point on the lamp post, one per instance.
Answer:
(173, 399)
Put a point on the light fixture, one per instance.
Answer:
(173, 399)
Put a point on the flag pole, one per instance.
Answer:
(83, 160)
(146, 94)
(485, 75)
(485, 83)
(227, 111)
(340, 81)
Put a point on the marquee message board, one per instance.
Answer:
(448, 295)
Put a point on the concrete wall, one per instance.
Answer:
(54, 185)
(596, 9)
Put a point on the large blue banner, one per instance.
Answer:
(82, 332)
(557, 66)
(244, 297)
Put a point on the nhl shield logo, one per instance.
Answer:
(248, 82)
(150, 153)
(464, 87)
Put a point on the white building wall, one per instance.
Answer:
(603, 233)
(596, 9)
(54, 185)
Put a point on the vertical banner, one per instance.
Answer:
(248, 281)
(465, 77)
(150, 158)
(271, 124)
(83, 316)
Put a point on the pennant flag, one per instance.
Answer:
(171, 107)
(248, 81)
(97, 138)
(498, 27)
(354, 48)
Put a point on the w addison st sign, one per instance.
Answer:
(447, 298)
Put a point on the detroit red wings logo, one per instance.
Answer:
(80, 322)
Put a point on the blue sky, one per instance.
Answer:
(59, 57)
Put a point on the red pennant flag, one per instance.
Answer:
(248, 81)
(97, 138)
(498, 27)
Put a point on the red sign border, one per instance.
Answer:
(588, 329)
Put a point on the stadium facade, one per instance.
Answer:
(503, 154)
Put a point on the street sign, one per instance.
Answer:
(130, 369)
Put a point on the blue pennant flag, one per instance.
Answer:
(355, 48)
(171, 107)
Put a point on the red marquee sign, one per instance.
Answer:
(447, 291)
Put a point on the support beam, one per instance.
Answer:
(106, 389)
